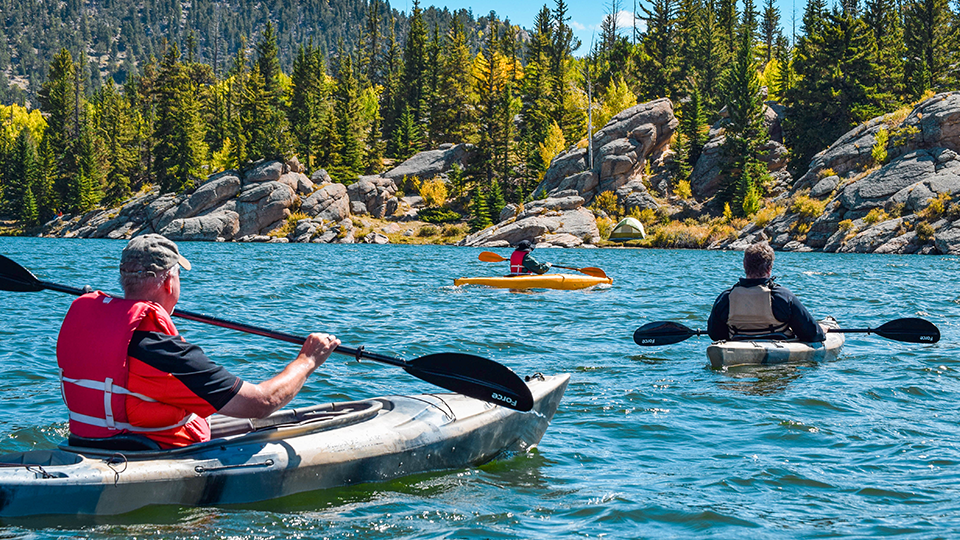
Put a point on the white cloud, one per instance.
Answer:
(625, 20)
(579, 27)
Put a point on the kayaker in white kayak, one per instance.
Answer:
(125, 369)
(756, 306)
(523, 262)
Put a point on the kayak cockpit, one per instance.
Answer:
(223, 429)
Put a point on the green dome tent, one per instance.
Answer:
(628, 229)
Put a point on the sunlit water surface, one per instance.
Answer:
(647, 443)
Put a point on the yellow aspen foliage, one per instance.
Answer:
(615, 98)
(14, 118)
(552, 145)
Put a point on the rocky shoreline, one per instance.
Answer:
(847, 202)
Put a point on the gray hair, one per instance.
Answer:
(758, 260)
(145, 284)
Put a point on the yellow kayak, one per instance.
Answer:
(534, 281)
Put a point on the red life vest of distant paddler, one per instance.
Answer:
(94, 366)
(516, 263)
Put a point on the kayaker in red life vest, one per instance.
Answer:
(125, 369)
(756, 306)
(522, 262)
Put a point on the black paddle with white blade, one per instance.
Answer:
(908, 330)
(466, 374)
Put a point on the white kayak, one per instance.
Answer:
(766, 352)
(292, 451)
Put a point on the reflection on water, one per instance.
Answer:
(761, 380)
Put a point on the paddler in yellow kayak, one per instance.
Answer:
(522, 261)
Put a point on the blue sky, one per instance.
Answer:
(585, 15)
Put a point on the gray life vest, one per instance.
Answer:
(751, 313)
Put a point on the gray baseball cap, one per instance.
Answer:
(150, 254)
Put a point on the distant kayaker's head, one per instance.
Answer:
(150, 270)
(525, 245)
(758, 260)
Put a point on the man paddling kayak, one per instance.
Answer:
(523, 262)
(125, 369)
(756, 306)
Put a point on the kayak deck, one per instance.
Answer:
(291, 452)
(535, 281)
(760, 353)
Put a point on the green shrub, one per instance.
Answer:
(879, 151)
(428, 230)
(807, 208)
(438, 215)
(767, 214)
(875, 216)
(936, 208)
(924, 231)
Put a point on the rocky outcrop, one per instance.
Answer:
(559, 221)
(254, 205)
(373, 195)
(880, 209)
(624, 146)
(431, 163)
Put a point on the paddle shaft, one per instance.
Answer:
(250, 329)
(909, 330)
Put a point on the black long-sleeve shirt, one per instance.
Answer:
(786, 308)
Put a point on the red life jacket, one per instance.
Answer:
(516, 262)
(94, 366)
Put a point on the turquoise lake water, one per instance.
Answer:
(647, 443)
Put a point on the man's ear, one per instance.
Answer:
(168, 284)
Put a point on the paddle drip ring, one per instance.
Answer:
(359, 353)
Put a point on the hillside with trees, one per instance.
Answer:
(199, 94)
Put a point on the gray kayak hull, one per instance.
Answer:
(760, 353)
(342, 444)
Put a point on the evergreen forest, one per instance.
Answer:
(104, 98)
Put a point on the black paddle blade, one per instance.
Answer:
(909, 330)
(473, 376)
(15, 278)
(662, 333)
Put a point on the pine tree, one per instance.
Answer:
(22, 175)
(885, 24)
(562, 73)
(392, 99)
(660, 49)
(57, 97)
(116, 127)
(431, 98)
(271, 140)
(414, 81)
(490, 82)
(179, 148)
(479, 212)
(769, 30)
(453, 115)
(834, 88)
(691, 128)
(349, 147)
(495, 201)
(927, 39)
(308, 102)
(537, 98)
(745, 132)
(710, 57)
